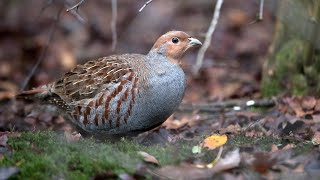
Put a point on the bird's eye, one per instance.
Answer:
(175, 40)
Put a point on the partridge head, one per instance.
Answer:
(122, 94)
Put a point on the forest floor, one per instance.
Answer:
(224, 128)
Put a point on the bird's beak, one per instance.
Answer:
(194, 42)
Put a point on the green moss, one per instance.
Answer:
(240, 139)
(270, 87)
(304, 147)
(291, 71)
(262, 143)
(261, 109)
(300, 85)
(290, 56)
(47, 155)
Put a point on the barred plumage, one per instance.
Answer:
(126, 93)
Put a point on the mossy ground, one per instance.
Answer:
(47, 155)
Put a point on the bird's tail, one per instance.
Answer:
(43, 95)
(34, 94)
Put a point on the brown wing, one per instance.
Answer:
(86, 80)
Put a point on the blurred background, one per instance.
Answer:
(232, 64)
(43, 29)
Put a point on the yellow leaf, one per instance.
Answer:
(214, 141)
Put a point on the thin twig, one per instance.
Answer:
(76, 6)
(145, 4)
(208, 38)
(260, 17)
(44, 51)
(75, 12)
(47, 4)
(114, 24)
(78, 16)
(217, 107)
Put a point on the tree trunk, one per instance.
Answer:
(293, 65)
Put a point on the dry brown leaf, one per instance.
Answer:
(6, 95)
(316, 118)
(262, 162)
(184, 171)
(233, 128)
(247, 114)
(231, 160)
(289, 146)
(316, 138)
(72, 137)
(274, 148)
(317, 106)
(172, 123)
(295, 106)
(148, 158)
(308, 103)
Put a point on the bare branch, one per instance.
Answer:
(76, 6)
(260, 17)
(44, 51)
(114, 24)
(217, 107)
(74, 10)
(145, 4)
(208, 38)
(47, 4)
(78, 16)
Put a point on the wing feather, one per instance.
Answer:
(87, 80)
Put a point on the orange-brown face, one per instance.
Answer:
(174, 44)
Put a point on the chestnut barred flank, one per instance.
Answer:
(122, 94)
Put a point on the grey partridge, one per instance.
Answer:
(122, 94)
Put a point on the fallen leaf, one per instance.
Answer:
(308, 103)
(316, 138)
(196, 149)
(262, 162)
(313, 168)
(172, 123)
(274, 148)
(19, 163)
(3, 140)
(148, 158)
(289, 146)
(126, 176)
(231, 160)
(183, 171)
(247, 114)
(6, 95)
(232, 128)
(317, 106)
(316, 118)
(7, 172)
(295, 105)
(105, 175)
(214, 141)
(72, 137)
